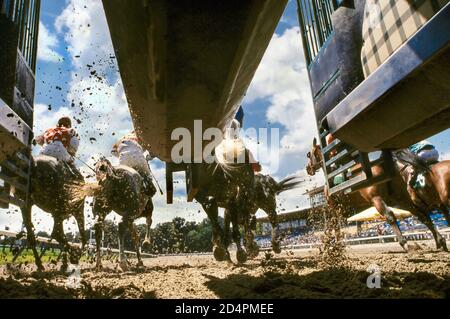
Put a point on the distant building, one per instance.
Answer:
(291, 221)
(317, 196)
(287, 221)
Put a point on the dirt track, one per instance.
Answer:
(424, 273)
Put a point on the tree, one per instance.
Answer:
(176, 236)
(43, 234)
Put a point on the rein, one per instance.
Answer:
(404, 168)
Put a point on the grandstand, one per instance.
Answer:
(292, 224)
(294, 228)
(317, 196)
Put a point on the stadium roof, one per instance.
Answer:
(301, 213)
(315, 191)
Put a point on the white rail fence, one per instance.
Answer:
(413, 236)
(48, 241)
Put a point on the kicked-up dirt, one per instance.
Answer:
(421, 273)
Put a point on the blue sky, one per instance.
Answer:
(74, 41)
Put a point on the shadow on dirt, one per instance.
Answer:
(333, 283)
(12, 288)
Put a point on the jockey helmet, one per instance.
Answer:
(65, 121)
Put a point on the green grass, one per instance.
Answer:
(26, 256)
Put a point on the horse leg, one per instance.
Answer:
(220, 252)
(439, 239)
(276, 247)
(384, 210)
(99, 210)
(226, 227)
(148, 217)
(81, 228)
(135, 237)
(79, 217)
(251, 246)
(241, 254)
(122, 256)
(445, 211)
(98, 228)
(59, 236)
(18, 253)
(31, 238)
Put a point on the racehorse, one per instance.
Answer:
(432, 190)
(53, 189)
(219, 184)
(120, 189)
(380, 196)
(265, 191)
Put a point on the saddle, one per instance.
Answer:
(72, 170)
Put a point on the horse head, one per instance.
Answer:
(315, 159)
(103, 169)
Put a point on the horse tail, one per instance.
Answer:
(405, 156)
(86, 190)
(288, 183)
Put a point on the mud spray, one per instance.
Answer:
(328, 220)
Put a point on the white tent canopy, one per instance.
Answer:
(372, 214)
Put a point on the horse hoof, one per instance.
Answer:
(276, 248)
(40, 267)
(241, 256)
(220, 254)
(140, 264)
(252, 250)
(123, 266)
(63, 268)
(405, 247)
(252, 254)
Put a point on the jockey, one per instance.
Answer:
(131, 154)
(61, 142)
(233, 133)
(427, 152)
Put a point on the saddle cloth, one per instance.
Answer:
(390, 23)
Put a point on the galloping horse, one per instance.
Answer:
(265, 191)
(53, 189)
(121, 189)
(433, 191)
(380, 196)
(219, 186)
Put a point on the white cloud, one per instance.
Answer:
(98, 101)
(282, 80)
(47, 44)
(96, 94)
